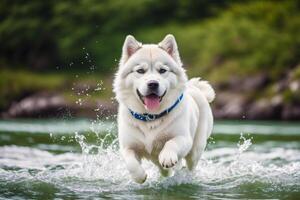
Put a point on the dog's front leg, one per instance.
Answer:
(133, 164)
(174, 150)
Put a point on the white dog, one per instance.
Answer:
(162, 116)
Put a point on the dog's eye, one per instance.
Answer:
(161, 71)
(140, 71)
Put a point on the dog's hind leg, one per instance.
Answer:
(193, 157)
(202, 133)
(202, 93)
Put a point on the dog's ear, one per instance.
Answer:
(130, 46)
(170, 46)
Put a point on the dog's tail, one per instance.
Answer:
(204, 87)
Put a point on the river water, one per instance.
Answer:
(74, 159)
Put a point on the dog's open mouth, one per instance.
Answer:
(151, 101)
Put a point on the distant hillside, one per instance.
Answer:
(249, 50)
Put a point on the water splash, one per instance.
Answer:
(243, 144)
(104, 170)
(98, 167)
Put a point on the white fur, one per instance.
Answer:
(181, 134)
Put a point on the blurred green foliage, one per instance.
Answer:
(250, 35)
(218, 39)
(247, 38)
(46, 34)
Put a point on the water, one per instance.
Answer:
(80, 159)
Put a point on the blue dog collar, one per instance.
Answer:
(146, 117)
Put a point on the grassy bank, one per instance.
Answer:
(17, 84)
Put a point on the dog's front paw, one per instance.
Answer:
(139, 177)
(167, 158)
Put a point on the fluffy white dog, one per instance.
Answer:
(162, 116)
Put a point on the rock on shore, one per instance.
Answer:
(255, 98)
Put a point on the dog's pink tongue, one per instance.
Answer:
(151, 102)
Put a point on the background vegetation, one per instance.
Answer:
(49, 45)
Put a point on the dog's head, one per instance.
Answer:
(150, 77)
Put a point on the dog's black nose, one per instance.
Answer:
(153, 85)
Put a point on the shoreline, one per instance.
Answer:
(47, 105)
